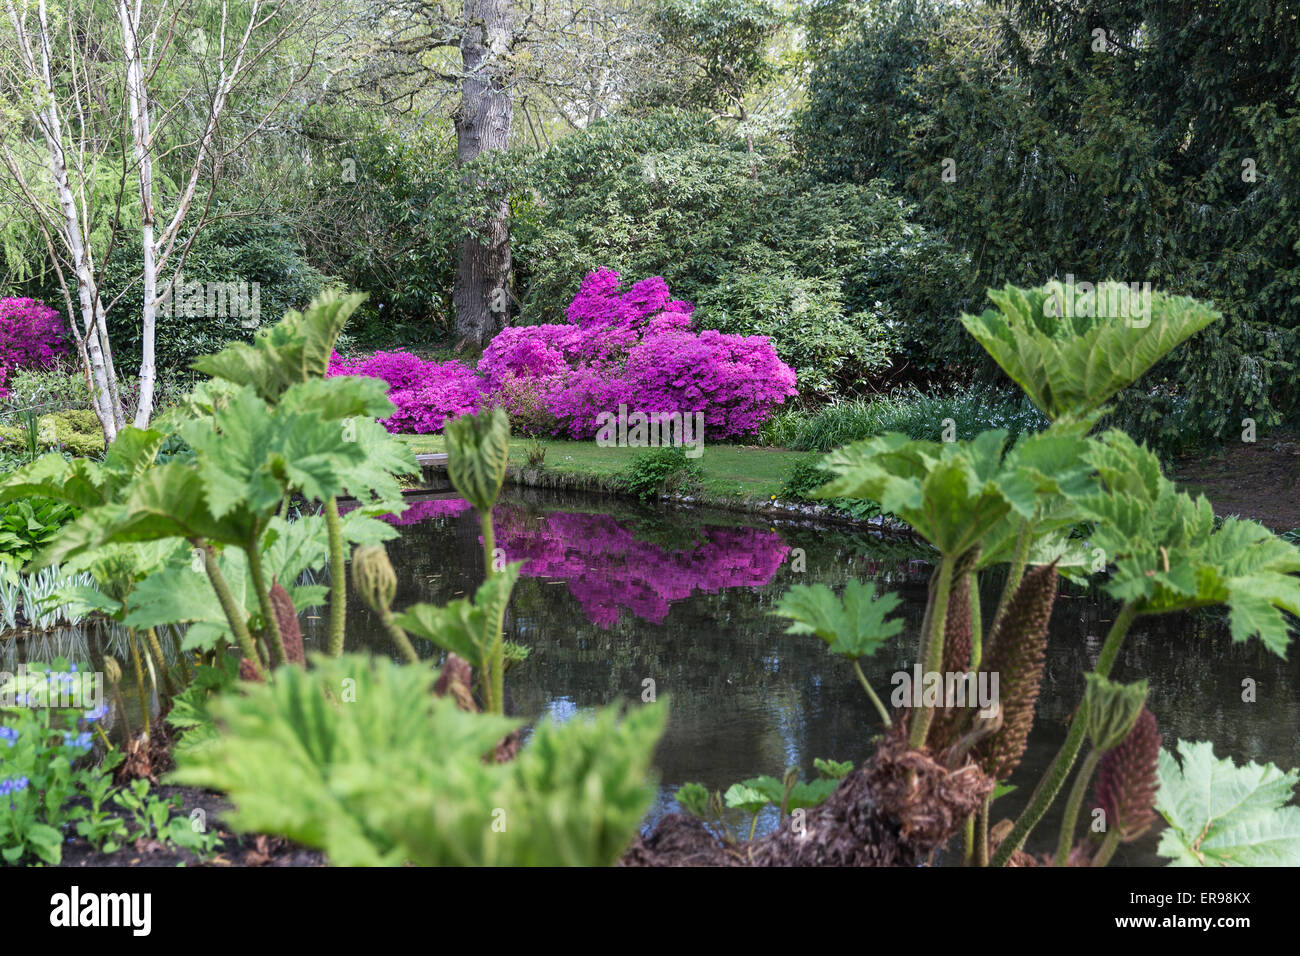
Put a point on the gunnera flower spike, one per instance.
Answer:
(1127, 785)
(1016, 655)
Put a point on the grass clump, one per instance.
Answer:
(957, 415)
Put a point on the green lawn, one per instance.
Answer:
(730, 471)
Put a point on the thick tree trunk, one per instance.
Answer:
(482, 124)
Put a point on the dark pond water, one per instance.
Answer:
(614, 594)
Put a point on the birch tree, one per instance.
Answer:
(79, 83)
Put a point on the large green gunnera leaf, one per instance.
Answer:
(1071, 353)
(1220, 814)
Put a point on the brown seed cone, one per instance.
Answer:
(1126, 779)
(1018, 648)
(290, 631)
(247, 670)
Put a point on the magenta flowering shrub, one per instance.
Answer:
(636, 348)
(632, 347)
(446, 390)
(426, 393)
(31, 336)
(401, 370)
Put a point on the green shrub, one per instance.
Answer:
(830, 270)
(1035, 123)
(58, 386)
(806, 322)
(662, 470)
(75, 430)
(261, 249)
(806, 476)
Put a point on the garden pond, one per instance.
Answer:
(616, 595)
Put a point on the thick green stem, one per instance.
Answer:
(1072, 805)
(494, 678)
(186, 671)
(969, 841)
(234, 613)
(160, 663)
(139, 679)
(880, 707)
(1051, 783)
(982, 833)
(338, 578)
(1016, 571)
(933, 656)
(399, 637)
(1108, 847)
(270, 623)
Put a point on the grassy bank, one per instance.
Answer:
(731, 473)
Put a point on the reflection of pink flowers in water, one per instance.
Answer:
(608, 570)
(421, 510)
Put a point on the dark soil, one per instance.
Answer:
(249, 850)
(1252, 479)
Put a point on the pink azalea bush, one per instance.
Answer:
(31, 336)
(636, 348)
(426, 393)
(632, 347)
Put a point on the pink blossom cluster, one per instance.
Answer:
(426, 393)
(31, 336)
(635, 348)
(632, 347)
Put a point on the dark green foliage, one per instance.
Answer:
(827, 270)
(382, 208)
(1121, 159)
(261, 249)
(725, 43)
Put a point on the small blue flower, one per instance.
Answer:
(9, 735)
(99, 713)
(77, 741)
